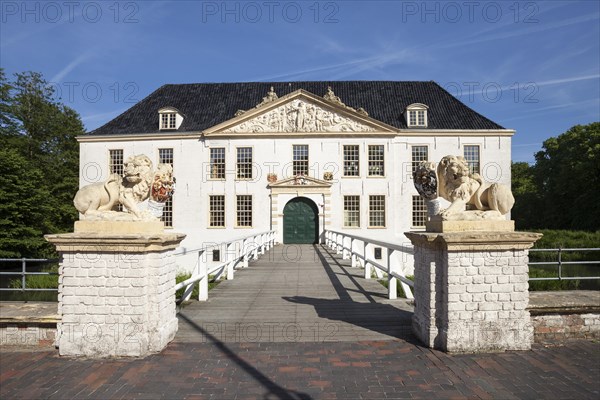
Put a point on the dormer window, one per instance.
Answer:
(416, 115)
(169, 119)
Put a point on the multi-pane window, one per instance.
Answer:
(244, 210)
(377, 211)
(165, 156)
(352, 211)
(300, 164)
(376, 160)
(416, 118)
(419, 153)
(216, 211)
(115, 162)
(217, 163)
(116, 166)
(351, 160)
(244, 163)
(419, 211)
(168, 121)
(472, 158)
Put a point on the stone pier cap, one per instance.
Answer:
(475, 241)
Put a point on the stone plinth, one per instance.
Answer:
(471, 290)
(439, 226)
(116, 293)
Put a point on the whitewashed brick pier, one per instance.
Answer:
(471, 290)
(116, 290)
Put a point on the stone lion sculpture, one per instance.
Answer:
(98, 200)
(465, 190)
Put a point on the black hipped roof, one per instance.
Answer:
(207, 104)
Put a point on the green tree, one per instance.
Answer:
(39, 165)
(526, 211)
(563, 187)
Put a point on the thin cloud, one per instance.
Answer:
(71, 66)
(523, 32)
(545, 110)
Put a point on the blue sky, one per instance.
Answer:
(530, 66)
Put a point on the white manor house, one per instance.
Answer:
(296, 157)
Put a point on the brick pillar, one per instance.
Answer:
(471, 290)
(116, 293)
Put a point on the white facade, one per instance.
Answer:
(272, 152)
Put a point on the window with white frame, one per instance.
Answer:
(351, 160)
(471, 153)
(169, 118)
(352, 211)
(165, 156)
(244, 163)
(217, 163)
(376, 160)
(244, 210)
(419, 211)
(168, 121)
(300, 159)
(116, 166)
(416, 115)
(377, 211)
(419, 153)
(115, 161)
(216, 211)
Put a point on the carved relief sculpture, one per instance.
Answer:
(425, 180)
(299, 116)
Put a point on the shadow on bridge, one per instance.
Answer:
(386, 319)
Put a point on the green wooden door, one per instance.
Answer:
(300, 222)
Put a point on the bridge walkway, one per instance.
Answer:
(296, 293)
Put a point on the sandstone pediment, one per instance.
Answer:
(300, 112)
(303, 181)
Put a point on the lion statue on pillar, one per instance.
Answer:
(470, 197)
(101, 200)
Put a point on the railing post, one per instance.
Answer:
(345, 253)
(230, 263)
(255, 251)
(340, 244)
(245, 252)
(392, 281)
(23, 276)
(352, 254)
(367, 265)
(559, 264)
(203, 272)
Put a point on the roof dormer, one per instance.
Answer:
(416, 115)
(169, 119)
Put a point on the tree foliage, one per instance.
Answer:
(562, 189)
(39, 158)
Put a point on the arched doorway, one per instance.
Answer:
(300, 222)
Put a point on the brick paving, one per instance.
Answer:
(332, 370)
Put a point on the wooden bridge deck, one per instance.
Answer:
(296, 293)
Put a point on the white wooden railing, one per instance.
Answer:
(361, 251)
(235, 254)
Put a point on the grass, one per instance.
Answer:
(399, 290)
(34, 282)
(183, 276)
